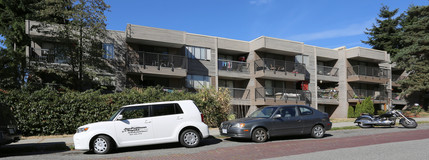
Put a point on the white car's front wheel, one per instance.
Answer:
(102, 144)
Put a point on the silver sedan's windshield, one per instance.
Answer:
(263, 112)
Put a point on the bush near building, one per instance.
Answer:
(51, 111)
(366, 106)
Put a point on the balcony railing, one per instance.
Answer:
(239, 93)
(327, 71)
(160, 60)
(363, 93)
(396, 78)
(267, 64)
(233, 66)
(281, 94)
(397, 96)
(367, 71)
(48, 56)
(327, 94)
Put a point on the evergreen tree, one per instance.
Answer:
(414, 55)
(81, 25)
(13, 14)
(384, 35)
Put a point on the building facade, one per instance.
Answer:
(264, 71)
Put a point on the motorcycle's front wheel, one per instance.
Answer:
(362, 125)
(408, 124)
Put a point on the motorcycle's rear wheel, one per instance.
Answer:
(408, 124)
(361, 125)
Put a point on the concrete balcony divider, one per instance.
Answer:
(158, 63)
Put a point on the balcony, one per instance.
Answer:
(281, 96)
(396, 78)
(279, 70)
(327, 73)
(367, 74)
(233, 69)
(358, 95)
(159, 64)
(327, 96)
(239, 96)
(398, 99)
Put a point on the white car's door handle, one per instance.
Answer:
(148, 121)
(179, 118)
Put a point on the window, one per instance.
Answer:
(197, 81)
(198, 53)
(109, 51)
(305, 111)
(135, 112)
(166, 109)
(287, 112)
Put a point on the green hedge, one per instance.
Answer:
(51, 112)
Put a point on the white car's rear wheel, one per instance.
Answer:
(190, 138)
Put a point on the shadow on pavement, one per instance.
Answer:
(205, 142)
(32, 149)
(280, 138)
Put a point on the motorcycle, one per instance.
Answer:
(386, 119)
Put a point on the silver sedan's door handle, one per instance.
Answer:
(148, 121)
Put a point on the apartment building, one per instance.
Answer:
(265, 71)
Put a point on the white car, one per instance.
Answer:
(144, 124)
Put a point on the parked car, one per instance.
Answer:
(8, 129)
(273, 121)
(145, 124)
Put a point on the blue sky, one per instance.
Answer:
(324, 23)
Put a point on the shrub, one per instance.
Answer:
(351, 112)
(51, 112)
(380, 112)
(367, 106)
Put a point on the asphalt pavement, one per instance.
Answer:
(60, 142)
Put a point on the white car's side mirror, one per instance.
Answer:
(120, 117)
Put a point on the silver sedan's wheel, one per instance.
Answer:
(102, 145)
(259, 135)
(317, 131)
(190, 138)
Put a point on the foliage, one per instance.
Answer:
(415, 110)
(414, 55)
(80, 27)
(406, 38)
(13, 14)
(384, 35)
(50, 111)
(380, 112)
(366, 106)
(83, 27)
(351, 112)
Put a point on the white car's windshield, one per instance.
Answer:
(114, 115)
(263, 112)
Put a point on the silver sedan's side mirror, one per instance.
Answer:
(120, 117)
(277, 116)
